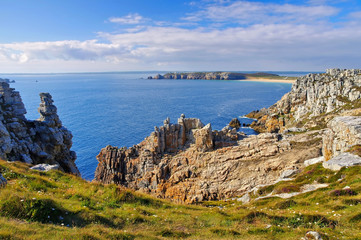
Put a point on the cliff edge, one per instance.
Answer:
(40, 141)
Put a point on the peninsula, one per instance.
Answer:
(260, 76)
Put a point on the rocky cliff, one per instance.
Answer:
(312, 98)
(188, 162)
(41, 141)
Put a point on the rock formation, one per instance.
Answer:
(311, 96)
(235, 123)
(188, 162)
(3, 181)
(41, 141)
(341, 135)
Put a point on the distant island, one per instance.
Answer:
(221, 76)
(7, 80)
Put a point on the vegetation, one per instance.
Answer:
(55, 205)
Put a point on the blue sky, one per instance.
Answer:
(204, 35)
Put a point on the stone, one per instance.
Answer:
(342, 160)
(313, 235)
(288, 173)
(3, 181)
(313, 161)
(45, 167)
(235, 123)
(342, 133)
(244, 199)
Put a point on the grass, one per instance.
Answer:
(55, 205)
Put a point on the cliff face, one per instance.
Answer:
(41, 141)
(188, 162)
(310, 96)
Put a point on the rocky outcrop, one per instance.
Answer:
(341, 135)
(342, 160)
(311, 96)
(235, 123)
(41, 141)
(3, 181)
(187, 162)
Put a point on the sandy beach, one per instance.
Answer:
(268, 80)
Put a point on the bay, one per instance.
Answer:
(121, 109)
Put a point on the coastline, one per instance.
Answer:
(268, 80)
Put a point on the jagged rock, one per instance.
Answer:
(235, 123)
(311, 95)
(342, 160)
(171, 164)
(342, 133)
(3, 181)
(203, 138)
(314, 161)
(41, 141)
(45, 167)
(313, 235)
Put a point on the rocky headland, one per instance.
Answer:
(213, 75)
(44, 140)
(188, 162)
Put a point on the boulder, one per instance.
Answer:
(244, 199)
(289, 173)
(313, 161)
(3, 181)
(313, 235)
(45, 167)
(235, 123)
(342, 160)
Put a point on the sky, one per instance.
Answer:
(47, 36)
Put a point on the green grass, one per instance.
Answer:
(55, 205)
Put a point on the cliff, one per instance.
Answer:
(40, 141)
(312, 98)
(188, 162)
(212, 75)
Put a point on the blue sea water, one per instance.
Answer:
(121, 109)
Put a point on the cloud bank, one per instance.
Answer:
(219, 35)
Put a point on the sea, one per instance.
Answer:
(122, 108)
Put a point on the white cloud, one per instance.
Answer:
(129, 19)
(284, 37)
(245, 12)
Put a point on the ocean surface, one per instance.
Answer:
(121, 109)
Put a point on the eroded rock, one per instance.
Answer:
(41, 141)
(342, 133)
(192, 172)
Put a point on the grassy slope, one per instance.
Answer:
(55, 205)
